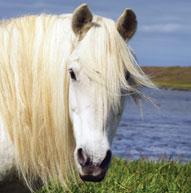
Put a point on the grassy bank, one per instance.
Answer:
(141, 176)
(170, 77)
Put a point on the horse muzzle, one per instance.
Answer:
(90, 171)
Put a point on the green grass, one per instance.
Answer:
(176, 77)
(140, 176)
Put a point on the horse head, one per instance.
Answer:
(92, 107)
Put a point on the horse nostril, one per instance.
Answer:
(82, 157)
(106, 160)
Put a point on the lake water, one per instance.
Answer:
(162, 132)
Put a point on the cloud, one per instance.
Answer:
(162, 28)
(5, 5)
(31, 4)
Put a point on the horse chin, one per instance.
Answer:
(92, 178)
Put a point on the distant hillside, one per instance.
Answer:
(170, 77)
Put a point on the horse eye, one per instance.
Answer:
(127, 75)
(72, 74)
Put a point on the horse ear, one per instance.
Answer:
(127, 24)
(81, 19)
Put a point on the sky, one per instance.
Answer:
(163, 37)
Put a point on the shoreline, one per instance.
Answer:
(173, 77)
(172, 89)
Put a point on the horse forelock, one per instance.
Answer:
(103, 51)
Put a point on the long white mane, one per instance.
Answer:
(34, 84)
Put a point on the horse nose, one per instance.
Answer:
(92, 171)
(85, 161)
(83, 158)
(106, 160)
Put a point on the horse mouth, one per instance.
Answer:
(91, 178)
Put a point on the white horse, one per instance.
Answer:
(62, 82)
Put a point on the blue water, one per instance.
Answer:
(162, 132)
